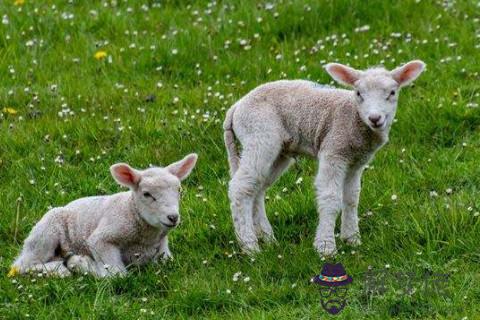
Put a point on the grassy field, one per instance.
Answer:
(169, 72)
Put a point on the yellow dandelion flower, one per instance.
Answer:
(9, 110)
(100, 55)
(14, 271)
(19, 2)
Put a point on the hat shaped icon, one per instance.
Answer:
(333, 275)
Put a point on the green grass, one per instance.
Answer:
(433, 147)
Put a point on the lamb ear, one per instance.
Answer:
(182, 168)
(125, 175)
(405, 74)
(343, 74)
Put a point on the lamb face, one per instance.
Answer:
(376, 95)
(157, 198)
(376, 90)
(156, 191)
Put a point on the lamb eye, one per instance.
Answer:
(148, 195)
(392, 94)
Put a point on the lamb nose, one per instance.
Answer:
(173, 218)
(374, 118)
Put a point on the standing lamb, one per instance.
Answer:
(102, 235)
(341, 128)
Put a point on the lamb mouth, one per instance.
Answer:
(168, 225)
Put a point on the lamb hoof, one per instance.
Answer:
(76, 263)
(166, 257)
(250, 248)
(61, 273)
(353, 240)
(326, 248)
(268, 238)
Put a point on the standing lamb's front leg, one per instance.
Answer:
(329, 187)
(349, 230)
(107, 256)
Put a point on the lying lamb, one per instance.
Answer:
(101, 235)
(341, 128)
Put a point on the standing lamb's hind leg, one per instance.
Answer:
(257, 159)
(349, 230)
(262, 226)
(329, 188)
